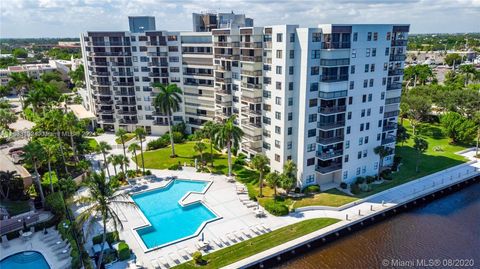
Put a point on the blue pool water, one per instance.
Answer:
(26, 259)
(170, 221)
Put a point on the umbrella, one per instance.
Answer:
(202, 237)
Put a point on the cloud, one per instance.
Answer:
(54, 18)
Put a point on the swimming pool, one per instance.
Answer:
(169, 220)
(25, 259)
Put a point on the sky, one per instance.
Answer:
(69, 18)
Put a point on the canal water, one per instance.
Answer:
(443, 233)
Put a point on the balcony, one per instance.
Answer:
(256, 73)
(329, 154)
(126, 103)
(331, 110)
(223, 80)
(389, 127)
(227, 56)
(100, 74)
(155, 74)
(197, 122)
(251, 45)
(395, 72)
(197, 74)
(391, 114)
(394, 86)
(158, 64)
(103, 111)
(158, 54)
(256, 59)
(160, 123)
(94, 63)
(223, 102)
(397, 57)
(388, 139)
(251, 125)
(328, 169)
(335, 45)
(127, 112)
(124, 93)
(251, 85)
(253, 138)
(121, 63)
(251, 148)
(335, 78)
(251, 100)
(330, 125)
(267, 44)
(104, 53)
(399, 43)
(329, 140)
(100, 120)
(221, 68)
(122, 74)
(129, 121)
(248, 111)
(106, 93)
(227, 44)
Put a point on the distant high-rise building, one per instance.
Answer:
(141, 24)
(323, 97)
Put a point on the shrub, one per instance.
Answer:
(54, 202)
(360, 180)
(148, 173)
(180, 128)
(175, 166)
(157, 143)
(369, 179)
(197, 257)
(296, 190)
(312, 189)
(276, 209)
(46, 181)
(178, 137)
(191, 137)
(386, 174)
(111, 237)
(343, 185)
(355, 189)
(99, 131)
(123, 251)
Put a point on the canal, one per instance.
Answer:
(438, 232)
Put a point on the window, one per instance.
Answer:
(365, 83)
(278, 115)
(279, 54)
(290, 70)
(347, 144)
(362, 114)
(311, 132)
(354, 53)
(384, 82)
(171, 59)
(369, 36)
(375, 36)
(292, 54)
(290, 86)
(278, 70)
(310, 178)
(362, 127)
(364, 98)
(278, 100)
(312, 102)
(311, 147)
(312, 117)
(369, 112)
(364, 169)
(374, 52)
(370, 95)
(267, 120)
(292, 37)
(349, 115)
(289, 130)
(315, 70)
(277, 143)
(359, 155)
(310, 161)
(360, 141)
(367, 126)
(388, 35)
(289, 145)
(267, 94)
(381, 110)
(352, 69)
(350, 100)
(355, 37)
(277, 129)
(365, 153)
(345, 174)
(290, 116)
(367, 52)
(387, 51)
(352, 85)
(290, 101)
(315, 54)
(385, 66)
(346, 158)
(266, 145)
(370, 84)
(277, 157)
(375, 166)
(366, 68)
(378, 137)
(372, 68)
(278, 85)
(382, 96)
(379, 123)
(174, 69)
(365, 140)
(358, 171)
(314, 86)
(316, 37)
(279, 37)
(348, 129)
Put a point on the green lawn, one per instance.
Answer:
(332, 197)
(129, 136)
(260, 243)
(160, 158)
(16, 207)
(92, 143)
(430, 162)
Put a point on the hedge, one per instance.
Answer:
(54, 202)
(111, 237)
(312, 189)
(276, 209)
(46, 181)
(123, 251)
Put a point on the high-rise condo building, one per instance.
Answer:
(324, 97)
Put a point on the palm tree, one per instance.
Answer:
(274, 180)
(104, 148)
(56, 122)
(50, 147)
(6, 117)
(22, 83)
(133, 149)
(113, 159)
(122, 136)
(469, 71)
(260, 163)
(101, 203)
(168, 101)
(140, 135)
(209, 130)
(289, 178)
(382, 152)
(71, 123)
(32, 153)
(229, 135)
(35, 98)
(200, 148)
(420, 145)
(121, 161)
(6, 178)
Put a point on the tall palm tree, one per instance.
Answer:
(6, 180)
(21, 82)
(168, 101)
(382, 152)
(229, 135)
(260, 163)
(420, 145)
(104, 148)
(140, 135)
(114, 161)
(71, 124)
(121, 161)
(50, 147)
(200, 148)
(274, 180)
(56, 122)
(133, 149)
(209, 130)
(32, 154)
(102, 202)
(121, 134)
(469, 71)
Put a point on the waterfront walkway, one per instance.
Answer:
(365, 208)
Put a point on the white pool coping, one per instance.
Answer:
(181, 203)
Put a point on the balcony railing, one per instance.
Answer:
(252, 100)
(328, 169)
(331, 110)
(121, 63)
(394, 86)
(335, 45)
(329, 140)
(161, 123)
(251, 58)
(126, 103)
(156, 74)
(248, 111)
(397, 43)
(227, 56)
(251, 125)
(100, 74)
(122, 74)
(197, 74)
(227, 44)
(130, 121)
(395, 72)
(104, 53)
(223, 80)
(251, 85)
(254, 45)
(330, 125)
(335, 78)
(255, 73)
(389, 127)
(127, 112)
(120, 93)
(388, 140)
(158, 64)
(159, 54)
(398, 57)
(329, 154)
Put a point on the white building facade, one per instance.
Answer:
(322, 97)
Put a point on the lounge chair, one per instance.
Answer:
(231, 237)
(5, 243)
(174, 257)
(238, 235)
(259, 228)
(251, 204)
(188, 251)
(164, 262)
(265, 227)
(224, 241)
(155, 264)
(245, 232)
(184, 254)
(217, 242)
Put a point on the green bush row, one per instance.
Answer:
(111, 238)
(312, 189)
(276, 209)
